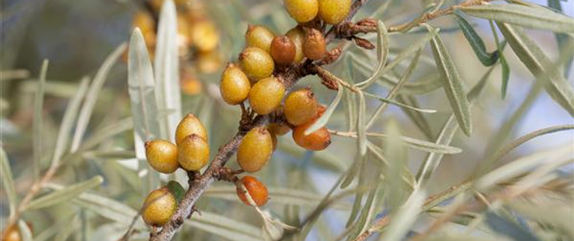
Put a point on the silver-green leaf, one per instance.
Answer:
(64, 194)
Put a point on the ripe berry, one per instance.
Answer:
(283, 50)
(235, 85)
(208, 62)
(204, 36)
(297, 35)
(302, 10)
(259, 36)
(266, 95)
(12, 233)
(193, 153)
(255, 149)
(334, 11)
(256, 63)
(316, 141)
(189, 83)
(256, 189)
(159, 205)
(278, 129)
(300, 106)
(314, 46)
(189, 125)
(161, 155)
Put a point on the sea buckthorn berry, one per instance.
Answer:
(297, 35)
(189, 125)
(314, 46)
(208, 62)
(156, 4)
(265, 96)
(159, 205)
(259, 36)
(300, 106)
(193, 153)
(302, 10)
(283, 50)
(204, 36)
(256, 63)
(235, 85)
(334, 11)
(162, 155)
(256, 190)
(255, 149)
(278, 129)
(316, 141)
(190, 85)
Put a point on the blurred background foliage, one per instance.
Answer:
(77, 36)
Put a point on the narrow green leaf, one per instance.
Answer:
(417, 144)
(167, 91)
(395, 152)
(399, 104)
(25, 232)
(225, 227)
(452, 84)
(418, 118)
(353, 171)
(8, 181)
(68, 122)
(405, 217)
(507, 228)
(475, 41)
(39, 119)
(503, 63)
(523, 16)
(373, 202)
(109, 208)
(176, 189)
(65, 194)
(382, 54)
(540, 65)
(68, 229)
(562, 39)
(93, 94)
(559, 216)
(322, 121)
(54, 228)
(361, 128)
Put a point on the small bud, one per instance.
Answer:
(314, 46)
(363, 43)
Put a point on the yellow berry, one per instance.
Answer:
(255, 149)
(189, 125)
(300, 106)
(314, 46)
(162, 155)
(278, 129)
(204, 35)
(265, 96)
(193, 153)
(302, 10)
(189, 83)
(259, 36)
(208, 62)
(256, 190)
(334, 11)
(283, 50)
(159, 206)
(235, 85)
(297, 35)
(256, 63)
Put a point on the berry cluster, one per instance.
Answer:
(197, 39)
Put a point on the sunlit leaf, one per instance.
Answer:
(361, 126)
(64, 194)
(523, 16)
(382, 54)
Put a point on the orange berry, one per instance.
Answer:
(189, 125)
(300, 106)
(256, 190)
(265, 96)
(256, 63)
(255, 149)
(334, 11)
(283, 50)
(297, 35)
(234, 86)
(259, 36)
(193, 153)
(314, 46)
(302, 10)
(162, 155)
(316, 141)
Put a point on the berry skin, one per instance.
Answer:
(278, 129)
(159, 205)
(297, 35)
(300, 106)
(302, 10)
(256, 189)
(283, 50)
(316, 141)
(265, 96)
(255, 149)
(314, 46)
(189, 125)
(234, 86)
(204, 36)
(162, 155)
(193, 153)
(256, 63)
(334, 11)
(259, 36)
